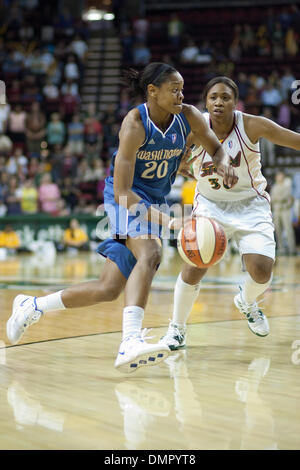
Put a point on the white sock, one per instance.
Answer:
(132, 321)
(184, 299)
(251, 289)
(50, 302)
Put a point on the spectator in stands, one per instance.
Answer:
(175, 30)
(68, 106)
(6, 145)
(141, 54)
(69, 193)
(56, 130)
(31, 89)
(291, 42)
(189, 53)
(47, 59)
(124, 103)
(11, 66)
(75, 237)
(79, 47)
(285, 19)
(127, 41)
(56, 157)
(49, 195)
(76, 135)
(71, 69)
(34, 62)
(14, 91)
(243, 85)
(277, 39)
(112, 138)
(284, 114)
(263, 44)
(267, 148)
(257, 81)
(4, 179)
(17, 125)
(93, 137)
(286, 82)
(3, 208)
(271, 95)
(29, 197)
(50, 90)
(141, 29)
(247, 40)
(70, 88)
(98, 169)
(16, 160)
(69, 163)
(4, 114)
(9, 239)
(85, 172)
(13, 197)
(282, 203)
(35, 129)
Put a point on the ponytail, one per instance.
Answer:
(137, 82)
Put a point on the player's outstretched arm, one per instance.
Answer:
(258, 127)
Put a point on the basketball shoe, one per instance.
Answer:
(135, 352)
(257, 321)
(24, 314)
(175, 337)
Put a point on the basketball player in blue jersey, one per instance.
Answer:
(151, 143)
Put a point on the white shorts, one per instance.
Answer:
(247, 222)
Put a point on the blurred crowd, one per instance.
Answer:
(53, 153)
(184, 40)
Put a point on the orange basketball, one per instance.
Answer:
(202, 242)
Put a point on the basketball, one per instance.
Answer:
(202, 242)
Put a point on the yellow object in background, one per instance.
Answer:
(9, 239)
(188, 191)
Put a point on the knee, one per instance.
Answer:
(151, 257)
(107, 291)
(261, 273)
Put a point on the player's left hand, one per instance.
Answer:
(185, 167)
(228, 174)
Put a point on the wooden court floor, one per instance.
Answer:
(227, 390)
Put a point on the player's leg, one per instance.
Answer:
(28, 310)
(134, 350)
(255, 239)
(186, 291)
(258, 280)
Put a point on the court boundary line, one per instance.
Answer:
(120, 331)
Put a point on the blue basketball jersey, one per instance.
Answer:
(158, 158)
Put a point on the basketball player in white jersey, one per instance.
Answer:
(243, 210)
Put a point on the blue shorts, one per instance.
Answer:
(118, 252)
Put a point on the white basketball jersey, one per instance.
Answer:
(245, 158)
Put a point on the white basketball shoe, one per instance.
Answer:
(135, 352)
(257, 321)
(175, 337)
(24, 314)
